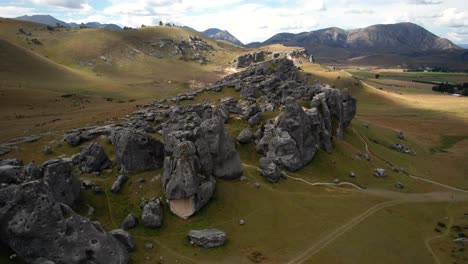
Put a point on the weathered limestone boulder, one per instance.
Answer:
(379, 172)
(117, 185)
(73, 139)
(136, 151)
(152, 215)
(10, 173)
(129, 222)
(198, 148)
(208, 238)
(245, 136)
(92, 158)
(124, 237)
(270, 170)
(39, 229)
(402, 148)
(64, 185)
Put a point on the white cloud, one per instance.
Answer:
(360, 11)
(72, 4)
(452, 17)
(14, 11)
(425, 2)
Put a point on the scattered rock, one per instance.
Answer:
(129, 222)
(379, 172)
(402, 148)
(117, 185)
(245, 136)
(257, 185)
(148, 245)
(208, 238)
(400, 135)
(4, 152)
(47, 150)
(152, 215)
(366, 125)
(399, 185)
(352, 174)
(97, 189)
(241, 222)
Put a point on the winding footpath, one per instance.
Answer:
(397, 199)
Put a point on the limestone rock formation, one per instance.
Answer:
(152, 215)
(64, 185)
(136, 151)
(40, 229)
(198, 148)
(208, 238)
(92, 158)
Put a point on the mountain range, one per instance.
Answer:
(52, 21)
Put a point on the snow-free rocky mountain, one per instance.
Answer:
(219, 34)
(52, 21)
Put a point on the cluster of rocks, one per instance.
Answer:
(402, 148)
(39, 224)
(246, 60)
(198, 148)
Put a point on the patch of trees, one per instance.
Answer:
(449, 88)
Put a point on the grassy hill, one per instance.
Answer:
(303, 219)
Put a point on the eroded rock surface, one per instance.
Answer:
(136, 151)
(40, 229)
(198, 148)
(92, 158)
(208, 238)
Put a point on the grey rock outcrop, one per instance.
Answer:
(129, 222)
(379, 172)
(92, 158)
(124, 237)
(152, 215)
(39, 229)
(64, 185)
(136, 151)
(245, 136)
(208, 238)
(198, 148)
(270, 170)
(117, 185)
(402, 148)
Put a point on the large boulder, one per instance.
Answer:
(124, 237)
(208, 238)
(39, 229)
(198, 148)
(64, 184)
(270, 170)
(136, 151)
(152, 215)
(245, 136)
(92, 158)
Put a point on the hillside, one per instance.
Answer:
(100, 64)
(414, 46)
(219, 34)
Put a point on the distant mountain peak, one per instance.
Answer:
(220, 34)
(52, 21)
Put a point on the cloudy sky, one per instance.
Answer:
(259, 19)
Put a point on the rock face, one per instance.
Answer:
(270, 170)
(198, 148)
(92, 158)
(64, 185)
(292, 139)
(208, 238)
(124, 237)
(152, 215)
(136, 151)
(42, 230)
